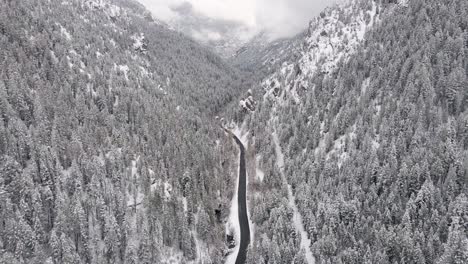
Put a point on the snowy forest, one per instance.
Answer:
(116, 137)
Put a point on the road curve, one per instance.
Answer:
(242, 204)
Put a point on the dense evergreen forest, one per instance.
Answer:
(356, 131)
(107, 136)
(375, 149)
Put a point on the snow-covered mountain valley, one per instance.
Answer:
(123, 139)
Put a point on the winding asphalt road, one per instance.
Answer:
(242, 204)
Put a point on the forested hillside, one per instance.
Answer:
(356, 137)
(372, 120)
(260, 58)
(107, 136)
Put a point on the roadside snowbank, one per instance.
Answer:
(233, 220)
(233, 226)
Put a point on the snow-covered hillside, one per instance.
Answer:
(352, 137)
(370, 142)
(332, 38)
(110, 125)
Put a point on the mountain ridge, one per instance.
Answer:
(373, 138)
(111, 149)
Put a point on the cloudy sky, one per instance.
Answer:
(280, 18)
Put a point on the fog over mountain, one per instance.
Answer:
(228, 25)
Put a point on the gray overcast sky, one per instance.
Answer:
(280, 18)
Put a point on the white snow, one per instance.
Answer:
(112, 41)
(124, 69)
(167, 190)
(108, 8)
(403, 3)
(233, 226)
(365, 85)
(184, 203)
(70, 64)
(375, 144)
(135, 200)
(138, 42)
(162, 89)
(64, 32)
(144, 71)
(154, 187)
(297, 218)
(172, 256)
(135, 197)
(329, 42)
(248, 103)
(339, 144)
(242, 104)
(233, 220)
(197, 245)
(113, 11)
(259, 173)
(240, 132)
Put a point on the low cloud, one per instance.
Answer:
(285, 18)
(278, 18)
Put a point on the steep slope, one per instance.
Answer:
(107, 140)
(372, 122)
(263, 57)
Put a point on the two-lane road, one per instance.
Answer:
(242, 204)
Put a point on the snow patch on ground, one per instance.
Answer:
(241, 132)
(259, 173)
(233, 226)
(365, 85)
(135, 200)
(376, 142)
(331, 40)
(135, 196)
(184, 203)
(167, 190)
(403, 3)
(160, 88)
(124, 69)
(144, 71)
(64, 32)
(164, 186)
(248, 104)
(139, 42)
(112, 42)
